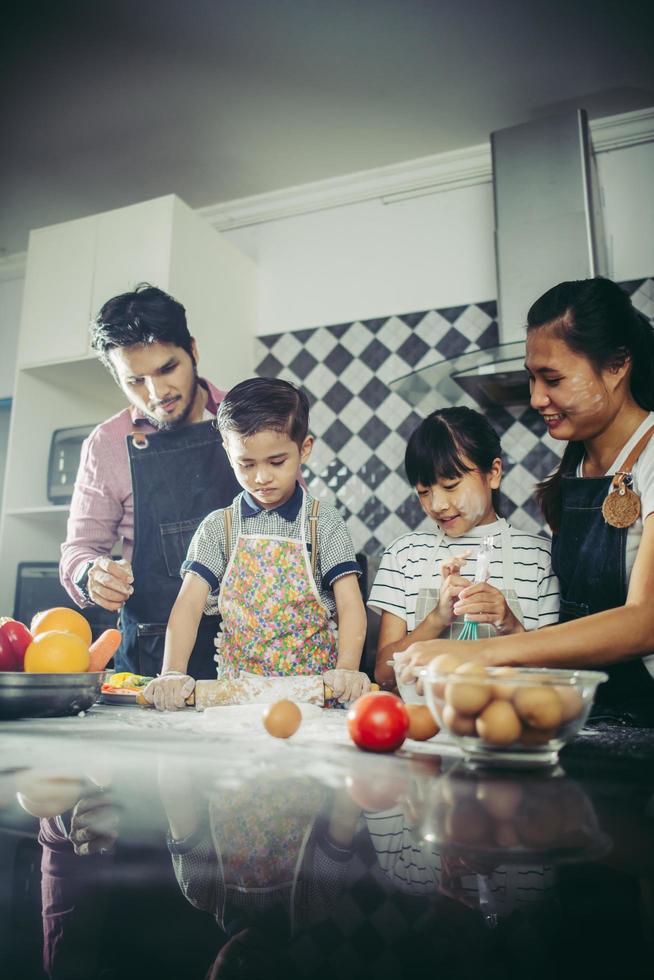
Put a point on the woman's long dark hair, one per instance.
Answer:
(597, 319)
(436, 448)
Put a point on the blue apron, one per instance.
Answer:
(178, 477)
(589, 557)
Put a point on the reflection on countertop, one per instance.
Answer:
(134, 844)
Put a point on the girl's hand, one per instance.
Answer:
(483, 603)
(453, 585)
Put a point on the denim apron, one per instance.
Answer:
(178, 477)
(588, 556)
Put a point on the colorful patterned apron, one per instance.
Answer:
(273, 621)
(428, 594)
(260, 832)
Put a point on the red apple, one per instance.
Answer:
(8, 659)
(16, 637)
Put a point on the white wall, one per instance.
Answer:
(373, 259)
(370, 258)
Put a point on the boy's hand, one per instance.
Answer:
(169, 691)
(483, 603)
(347, 685)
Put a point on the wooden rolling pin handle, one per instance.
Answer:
(190, 700)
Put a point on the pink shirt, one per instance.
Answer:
(102, 507)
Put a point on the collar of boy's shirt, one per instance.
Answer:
(139, 418)
(289, 510)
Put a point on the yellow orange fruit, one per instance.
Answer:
(57, 652)
(61, 618)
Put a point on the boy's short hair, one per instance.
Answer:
(264, 403)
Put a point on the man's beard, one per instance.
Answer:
(177, 423)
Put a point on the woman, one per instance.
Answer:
(590, 360)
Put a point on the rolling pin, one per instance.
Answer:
(253, 689)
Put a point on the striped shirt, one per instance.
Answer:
(421, 867)
(397, 582)
(207, 553)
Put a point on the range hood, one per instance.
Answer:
(548, 228)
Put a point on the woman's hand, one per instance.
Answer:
(410, 662)
(483, 603)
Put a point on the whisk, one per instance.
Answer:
(482, 574)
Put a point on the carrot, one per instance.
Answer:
(103, 649)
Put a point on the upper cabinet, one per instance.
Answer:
(54, 321)
(73, 268)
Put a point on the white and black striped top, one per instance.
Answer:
(396, 585)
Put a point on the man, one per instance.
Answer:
(147, 477)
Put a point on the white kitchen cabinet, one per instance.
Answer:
(57, 293)
(72, 269)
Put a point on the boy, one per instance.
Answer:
(277, 565)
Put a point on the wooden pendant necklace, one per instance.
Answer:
(621, 505)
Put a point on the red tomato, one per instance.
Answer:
(378, 721)
(17, 636)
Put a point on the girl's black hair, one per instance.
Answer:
(597, 319)
(436, 448)
(264, 403)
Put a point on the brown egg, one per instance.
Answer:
(468, 823)
(282, 719)
(504, 691)
(536, 736)
(500, 797)
(444, 663)
(456, 723)
(571, 702)
(498, 724)
(538, 822)
(422, 724)
(539, 707)
(505, 834)
(468, 699)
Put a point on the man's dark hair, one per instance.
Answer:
(145, 316)
(264, 403)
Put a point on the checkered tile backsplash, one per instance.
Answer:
(362, 427)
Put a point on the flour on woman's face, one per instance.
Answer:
(461, 503)
(575, 401)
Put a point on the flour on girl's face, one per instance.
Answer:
(459, 504)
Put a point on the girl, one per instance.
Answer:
(590, 360)
(453, 459)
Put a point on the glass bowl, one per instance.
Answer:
(510, 716)
(407, 692)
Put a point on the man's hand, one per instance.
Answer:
(347, 685)
(94, 825)
(109, 582)
(169, 691)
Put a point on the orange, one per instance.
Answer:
(61, 618)
(57, 652)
